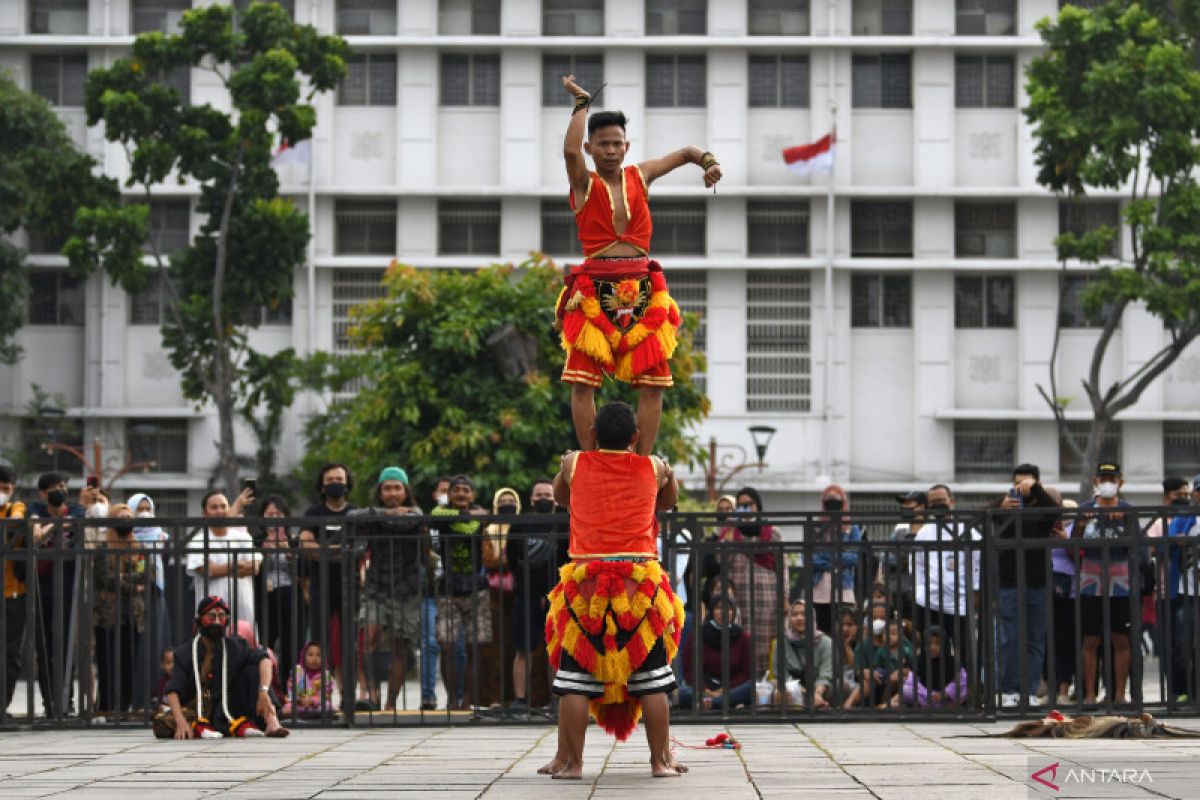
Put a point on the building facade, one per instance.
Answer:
(442, 148)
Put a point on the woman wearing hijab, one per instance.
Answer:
(759, 579)
(938, 679)
(158, 622)
(499, 650)
(119, 612)
(834, 572)
(710, 686)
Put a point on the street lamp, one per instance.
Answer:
(762, 435)
(97, 466)
(731, 463)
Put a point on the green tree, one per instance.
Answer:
(44, 180)
(251, 241)
(460, 373)
(1115, 105)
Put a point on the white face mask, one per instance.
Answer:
(4, 496)
(145, 514)
(1106, 490)
(98, 510)
(443, 499)
(878, 626)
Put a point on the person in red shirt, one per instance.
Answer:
(614, 624)
(615, 314)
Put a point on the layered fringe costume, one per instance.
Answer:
(614, 624)
(615, 314)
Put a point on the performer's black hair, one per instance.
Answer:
(615, 425)
(603, 119)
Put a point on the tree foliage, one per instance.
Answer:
(1115, 105)
(432, 390)
(44, 180)
(251, 240)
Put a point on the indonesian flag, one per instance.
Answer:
(814, 157)
(288, 153)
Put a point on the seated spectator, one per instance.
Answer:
(310, 686)
(893, 655)
(870, 637)
(715, 693)
(792, 655)
(848, 680)
(166, 664)
(937, 680)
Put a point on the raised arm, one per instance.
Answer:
(577, 171)
(562, 481)
(668, 489)
(655, 168)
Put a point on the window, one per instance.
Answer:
(161, 441)
(881, 228)
(985, 230)
(146, 306)
(676, 81)
(55, 298)
(1081, 3)
(984, 301)
(882, 18)
(170, 503)
(778, 18)
(1072, 313)
(676, 17)
(778, 81)
(1181, 448)
(278, 314)
(35, 433)
(179, 79)
(169, 227)
(880, 301)
(689, 287)
(43, 242)
(587, 69)
(1085, 216)
(370, 80)
(985, 450)
(58, 17)
(985, 18)
(352, 288)
(679, 227)
(469, 227)
(778, 349)
(365, 227)
(984, 82)
(59, 78)
(366, 17)
(573, 18)
(240, 6)
(882, 80)
(470, 79)
(777, 227)
(158, 15)
(1070, 465)
(469, 17)
(558, 229)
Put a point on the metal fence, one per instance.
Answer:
(437, 620)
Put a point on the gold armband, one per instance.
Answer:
(707, 160)
(581, 101)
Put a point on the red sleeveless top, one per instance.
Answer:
(613, 494)
(596, 218)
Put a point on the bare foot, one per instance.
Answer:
(555, 766)
(571, 772)
(670, 768)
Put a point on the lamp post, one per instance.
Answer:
(97, 465)
(731, 463)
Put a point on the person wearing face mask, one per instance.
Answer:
(119, 610)
(220, 685)
(15, 587)
(834, 572)
(537, 548)
(1104, 582)
(158, 636)
(1182, 588)
(326, 571)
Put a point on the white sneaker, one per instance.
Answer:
(209, 733)
(251, 732)
(1010, 700)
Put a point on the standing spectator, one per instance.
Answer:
(53, 611)
(1066, 638)
(1182, 590)
(15, 569)
(119, 611)
(158, 637)
(464, 616)
(327, 571)
(758, 576)
(217, 571)
(285, 619)
(392, 597)
(705, 559)
(1037, 525)
(429, 643)
(834, 573)
(716, 693)
(893, 570)
(1104, 581)
(506, 502)
(537, 547)
(790, 656)
(945, 572)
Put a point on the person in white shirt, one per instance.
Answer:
(217, 571)
(944, 577)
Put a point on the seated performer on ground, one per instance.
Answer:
(614, 624)
(615, 314)
(223, 683)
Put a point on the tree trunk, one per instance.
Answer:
(1091, 455)
(222, 369)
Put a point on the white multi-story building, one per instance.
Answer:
(442, 148)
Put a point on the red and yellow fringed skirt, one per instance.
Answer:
(617, 318)
(612, 631)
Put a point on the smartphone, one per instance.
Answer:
(93, 481)
(251, 484)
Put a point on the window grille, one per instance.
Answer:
(588, 70)
(985, 82)
(880, 301)
(689, 287)
(572, 18)
(777, 227)
(1084, 216)
(882, 18)
(984, 301)
(365, 227)
(680, 227)
(676, 81)
(58, 17)
(778, 18)
(470, 79)
(469, 17)
(985, 230)
(55, 298)
(676, 17)
(985, 17)
(469, 227)
(984, 450)
(881, 228)
(882, 80)
(1181, 449)
(59, 78)
(778, 345)
(366, 17)
(163, 441)
(778, 81)
(370, 80)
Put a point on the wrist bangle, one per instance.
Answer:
(707, 160)
(581, 101)
(264, 688)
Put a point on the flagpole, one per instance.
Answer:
(830, 232)
(312, 245)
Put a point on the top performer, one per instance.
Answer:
(615, 314)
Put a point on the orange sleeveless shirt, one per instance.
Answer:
(596, 218)
(613, 494)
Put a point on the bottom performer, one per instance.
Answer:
(614, 624)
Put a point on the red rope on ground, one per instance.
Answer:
(722, 741)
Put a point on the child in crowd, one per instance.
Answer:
(937, 680)
(893, 654)
(310, 680)
(166, 663)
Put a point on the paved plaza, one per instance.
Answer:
(828, 760)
